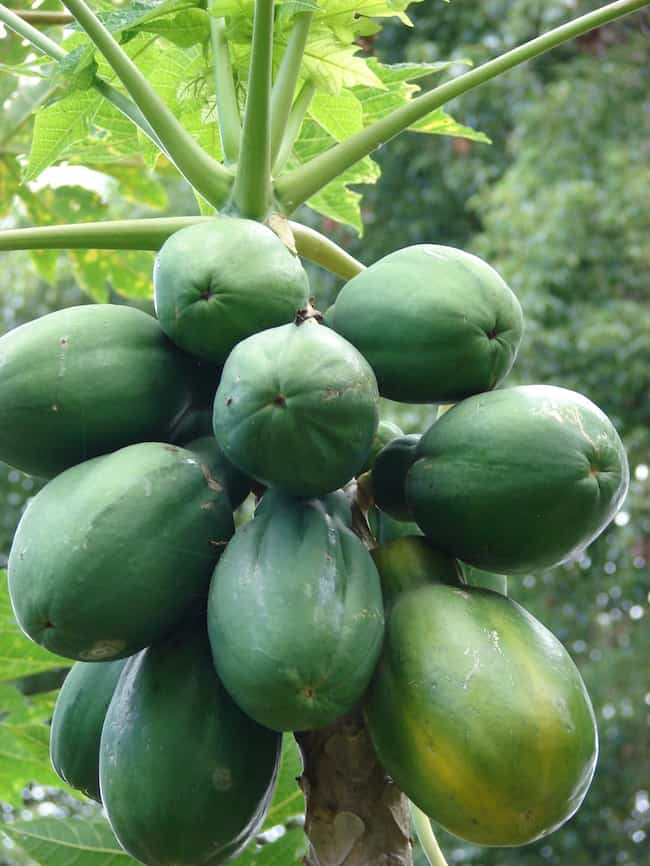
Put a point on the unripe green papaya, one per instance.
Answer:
(436, 323)
(517, 480)
(186, 778)
(385, 528)
(218, 282)
(77, 723)
(486, 579)
(480, 716)
(208, 450)
(85, 381)
(297, 409)
(411, 561)
(110, 554)
(389, 474)
(295, 615)
(386, 432)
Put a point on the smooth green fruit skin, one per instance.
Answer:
(208, 450)
(480, 716)
(518, 480)
(110, 554)
(218, 282)
(77, 723)
(295, 616)
(486, 579)
(385, 528)
(83, 381)
(436, 323)
(389, 474)
(386, 432)
(297, 409)
(186, 778)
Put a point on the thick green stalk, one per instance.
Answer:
(53, 50)
(252, 191)
(295, 187)
(205, 174)
(427, 838)
(47, 19)
(31, 34)
(227, 107)
(151, 234)
(318, 248)
(285, 83)
(292, 128)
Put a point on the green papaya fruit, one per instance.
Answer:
(186, 778)
(119, 564)
(77, 722)
(389, 474)
(386, 432)
(517, 480)
(195, 424)
(486, 579)
(295, 615)
(436, 323)
(412, 561)
(218, 282)
(480, 716)
(83, 381)
(297, 409)
(385, 528)
(209, 452)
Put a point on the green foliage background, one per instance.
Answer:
(558, 204)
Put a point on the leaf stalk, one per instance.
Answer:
(285, 84)
(206, 175)
(227, 107)
(252, 190)
(296, 186)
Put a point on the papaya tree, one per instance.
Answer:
(362, 612)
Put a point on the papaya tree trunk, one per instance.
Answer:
(356, 815)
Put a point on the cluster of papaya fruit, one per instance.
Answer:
(152, 432)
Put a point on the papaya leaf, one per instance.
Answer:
(19, 657)
(24, 743)
(288, 850)
(191, 27)
(340, 116)
(62, 841)
(333, 64)
(288, 799)
(336, 201)
(60, 126)
(9, 182)
(348, 20)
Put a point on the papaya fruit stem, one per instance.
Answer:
(296, 186)
(208, 177)
(427, 837)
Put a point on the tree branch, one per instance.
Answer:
(295, 187)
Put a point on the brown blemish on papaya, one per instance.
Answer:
(211, 481)
(594, 471)
(491, 335)
(280, 401)
(308, 692)
(229, 401)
